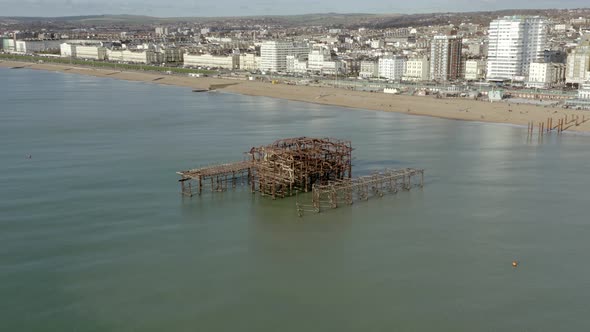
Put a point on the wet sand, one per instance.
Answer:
(457, 109)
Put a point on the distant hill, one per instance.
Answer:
(321, 19)
(330, 19)
(308, 19)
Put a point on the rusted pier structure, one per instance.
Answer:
(277, 170)
(216, 178)
(347, 191)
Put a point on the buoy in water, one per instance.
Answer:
(514, 263)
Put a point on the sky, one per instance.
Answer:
(177, 8)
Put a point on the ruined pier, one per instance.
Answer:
(294, 166)
(346, 192)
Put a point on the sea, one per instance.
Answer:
(95, 235)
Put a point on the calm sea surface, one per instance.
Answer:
(94, 235)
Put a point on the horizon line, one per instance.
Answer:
(291, 15)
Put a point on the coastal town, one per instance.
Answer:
(539, 57)
(294, 166)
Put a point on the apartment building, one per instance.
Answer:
(445, 58)
(514, 43)
(273, 54)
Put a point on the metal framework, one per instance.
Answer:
(346, 191)
(217, 178)
(296, 164)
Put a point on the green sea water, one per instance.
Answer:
(94, 235)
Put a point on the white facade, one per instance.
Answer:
(544, 75)
(249, 62)
(21, 46)
(584, 91)
(539, 75)
(296, 64)
(67, 50)
(8, 44)
(475, 70)
(130, 56)
(377, 43)
(369, 69)
(474, 48)
(333, 67)
(392, 67)
(31, 46)
(273, 54)
(514, 43)
(318, 59)
(417, 70)
(578, 63)
(208, 60)
(90, 52)
(161, 31)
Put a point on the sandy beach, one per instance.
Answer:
(458, 109)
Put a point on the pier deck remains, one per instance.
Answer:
(347, 191)
(216, 178)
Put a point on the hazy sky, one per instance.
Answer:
(262, 7)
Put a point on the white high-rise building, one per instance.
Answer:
(273, 54)
(392, 67)
(514, 43)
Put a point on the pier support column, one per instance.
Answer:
(200, 184)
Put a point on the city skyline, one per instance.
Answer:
(184, 8)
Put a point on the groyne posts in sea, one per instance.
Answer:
(562, 124)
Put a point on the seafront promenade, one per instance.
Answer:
(457, 109)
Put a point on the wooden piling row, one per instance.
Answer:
(560, 126)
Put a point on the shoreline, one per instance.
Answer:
(452, 109)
